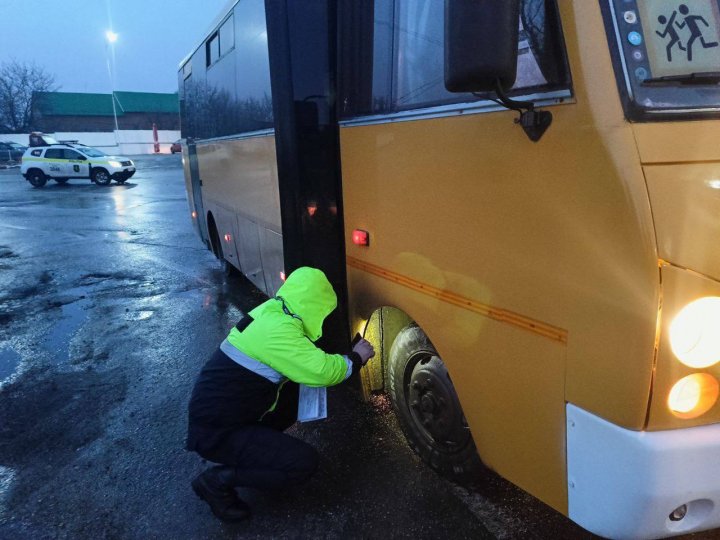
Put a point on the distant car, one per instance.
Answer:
(11, 151)
(61, 162)
(176, 146)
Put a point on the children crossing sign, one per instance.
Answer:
(682, 37)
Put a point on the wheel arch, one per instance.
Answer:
(31, 169)
(214, 236)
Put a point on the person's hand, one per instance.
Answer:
(364, 350)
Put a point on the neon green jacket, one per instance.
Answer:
(284, 330)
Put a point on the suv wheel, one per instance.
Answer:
(36, 178)
(101, 177)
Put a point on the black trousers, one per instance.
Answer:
(263, 456)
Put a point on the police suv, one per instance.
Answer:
(63, 161)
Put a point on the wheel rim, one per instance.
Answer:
(433, 404)
(102, 177)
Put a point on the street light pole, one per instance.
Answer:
(111, 39)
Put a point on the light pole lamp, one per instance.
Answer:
(111, 39)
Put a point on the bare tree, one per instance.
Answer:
(18, 81)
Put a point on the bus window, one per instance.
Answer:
(406, 67)
(187, 69)
(213, 50)
(666, 55)
(227, 36)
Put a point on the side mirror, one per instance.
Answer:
(481, 55)
(481, 44)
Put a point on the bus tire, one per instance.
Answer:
(428, 408)
(36, 178)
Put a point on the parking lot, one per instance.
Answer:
(109, 305)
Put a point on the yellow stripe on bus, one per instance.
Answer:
(520, 321)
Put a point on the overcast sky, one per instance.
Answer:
(67, 38)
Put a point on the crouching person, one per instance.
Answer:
(247, 394)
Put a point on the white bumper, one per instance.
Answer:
(625, 484)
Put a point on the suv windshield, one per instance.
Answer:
(669, 55)
(91, 152)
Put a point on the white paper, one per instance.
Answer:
(312, 404)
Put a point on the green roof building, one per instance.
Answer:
(79, 112)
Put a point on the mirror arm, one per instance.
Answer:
(535, 123)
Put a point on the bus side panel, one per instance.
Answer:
(240, 177)
(511, 382)
(550, 231)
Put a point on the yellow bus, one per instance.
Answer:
(534, 254)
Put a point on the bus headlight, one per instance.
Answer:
(695, 333)
(693, 395)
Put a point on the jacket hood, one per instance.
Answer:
(308, 294)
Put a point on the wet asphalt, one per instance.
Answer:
(109, 305)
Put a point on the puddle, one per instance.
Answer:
(59, 337)
(9, 361)
(138, 315)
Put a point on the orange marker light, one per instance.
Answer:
(282, 276)
(312, 208)
(228, 237)
(360, 237)
(194, 214)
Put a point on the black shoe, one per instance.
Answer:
(221, 497)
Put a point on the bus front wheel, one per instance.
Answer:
(428, 408)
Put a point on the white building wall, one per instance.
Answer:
(124, 142)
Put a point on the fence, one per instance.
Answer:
(124, 142)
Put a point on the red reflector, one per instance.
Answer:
(194, 214)
(282, 276)
(228, 237)
(312, 208)
(360, 237)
